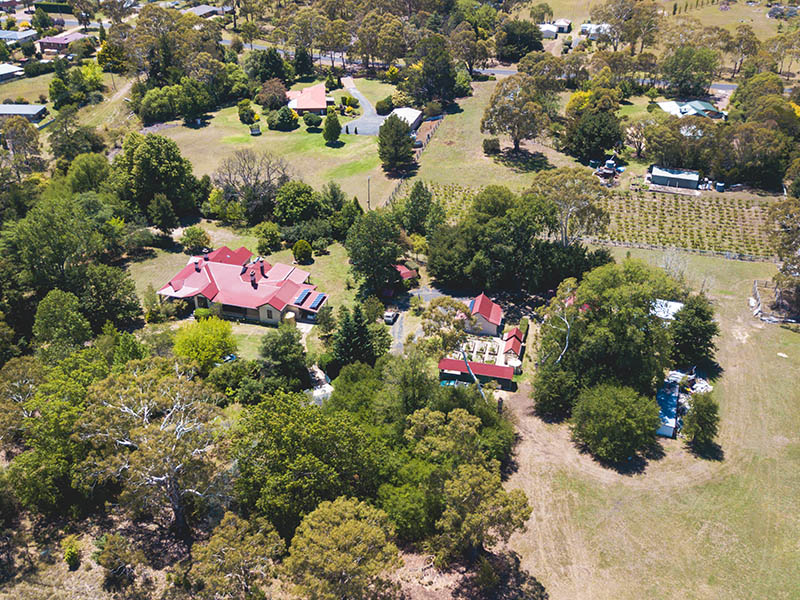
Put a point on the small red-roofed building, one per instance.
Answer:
(451, 369)
(245, 289)
(406, 273)
(488, 316)
(512, 347)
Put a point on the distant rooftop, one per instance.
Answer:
(25, 110)
(676, 173)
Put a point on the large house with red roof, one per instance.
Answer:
(245, 288)
(488, 316)
(311, 99)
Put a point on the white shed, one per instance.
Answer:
(411, 116)
(549, 31)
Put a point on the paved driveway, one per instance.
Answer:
(370, 121)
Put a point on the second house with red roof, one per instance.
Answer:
(488, 316)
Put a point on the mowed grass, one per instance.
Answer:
(455, 153)
(311, 160)
(29, 88)
(686, 527)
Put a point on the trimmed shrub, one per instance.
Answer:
(491, 146)
(385, 106)
(302, 252)
(246, 113)
(524, 325)
(433, 109)
(312, 120)
(284, 119)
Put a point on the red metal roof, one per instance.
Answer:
(514, 332)
(513, 345)
(481, 369)
(223, 254)
(221, 278)
(405, 272)
(483, 306)
(310, 98)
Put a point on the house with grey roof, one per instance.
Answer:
(32, 112)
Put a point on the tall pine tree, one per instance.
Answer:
(352, 342)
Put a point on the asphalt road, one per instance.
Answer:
(368, 123)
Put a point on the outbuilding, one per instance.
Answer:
(488, 316)
(678, 178)
(8, 71)
(18, 37)
(454, 369)
(411, 116)
(667, 398)
(549, 31)
(32, 112)
(564, 25)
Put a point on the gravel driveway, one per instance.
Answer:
(368, 123)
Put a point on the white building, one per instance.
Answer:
(411, 116)
(549, 31)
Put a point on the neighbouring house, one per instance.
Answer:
(696, 108)
(513, 339)
(594, 31)
(665, 309)
(245, 288)
(33, 112)
(18, 37)
(59, 43)
(406, 273)
(549, 31)
(411, 116)
(311, 99)
(204, 11)
(8, 71)
(488, 316)
(454, 369)
(677, 178)
(564, 25)
(667, 398)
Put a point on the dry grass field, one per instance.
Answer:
(684, 527)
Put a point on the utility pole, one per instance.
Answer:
(368, 198)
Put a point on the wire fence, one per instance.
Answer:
(400, 187)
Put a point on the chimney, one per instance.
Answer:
(205, 253)
(261, 263)
(244, 269)
(197, 265)
(253, 278)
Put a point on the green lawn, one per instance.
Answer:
(29, 88)
(686, 527)
(309, 157)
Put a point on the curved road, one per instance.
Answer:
(370, 122)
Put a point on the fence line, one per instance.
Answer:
(717, 253)
(399, 188)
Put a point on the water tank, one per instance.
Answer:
(289, 317)
(719, 186)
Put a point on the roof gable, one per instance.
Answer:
(482, 305)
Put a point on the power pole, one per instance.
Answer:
(368, 198)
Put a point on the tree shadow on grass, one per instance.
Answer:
(711, 451)
(406, 172)
(500, 577)
(335, 144)
(523, 161)
(633, 465)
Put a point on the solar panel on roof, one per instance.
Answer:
(317, 301)
(302, 297)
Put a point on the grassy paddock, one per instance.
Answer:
(685, 527)
(310, 158)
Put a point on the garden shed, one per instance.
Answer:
(680, 178)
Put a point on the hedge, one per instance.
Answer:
(54, 7)
(524, 324)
